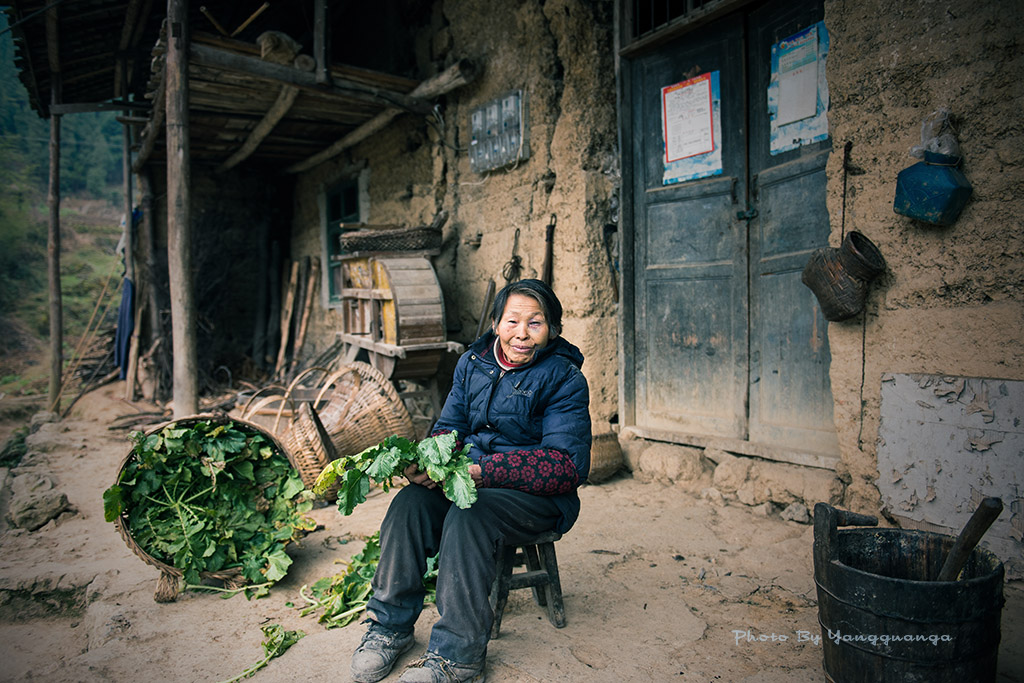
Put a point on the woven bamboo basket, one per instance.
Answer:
(840, 276)
(170, 577)
(363, 409)
(311, 447)
(605, 457)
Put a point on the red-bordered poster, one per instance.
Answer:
(687, 118)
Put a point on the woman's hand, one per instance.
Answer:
(413, 474)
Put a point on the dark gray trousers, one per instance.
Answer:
(421, 522)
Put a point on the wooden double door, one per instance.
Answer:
(723, 340)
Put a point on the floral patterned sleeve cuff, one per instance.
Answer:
(540, 471)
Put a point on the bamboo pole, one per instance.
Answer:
(179, 238)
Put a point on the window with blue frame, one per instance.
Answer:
(341, 207)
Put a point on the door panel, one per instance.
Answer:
(790, 392)
(690, 256)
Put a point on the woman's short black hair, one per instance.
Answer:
(537, 290)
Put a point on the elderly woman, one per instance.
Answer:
(519, 398)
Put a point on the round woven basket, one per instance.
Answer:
(364, 409)
(605, 457)
(311, 447)
(170, 576)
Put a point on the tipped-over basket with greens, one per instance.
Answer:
(209, 497)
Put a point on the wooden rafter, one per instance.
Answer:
(131, 15)
(281, 105)
(457, 75)
(345, 89)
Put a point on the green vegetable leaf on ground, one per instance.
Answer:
(276, 642)
(436, 455)
(341, 598)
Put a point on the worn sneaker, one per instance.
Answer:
(376, 654)
(432, 668)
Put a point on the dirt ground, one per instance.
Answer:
(659, 585)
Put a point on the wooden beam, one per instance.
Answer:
(262, 129)
(89, 107)
(179, 231)
(121, 74)
(206, 55)
(155, 125)
(455, 76)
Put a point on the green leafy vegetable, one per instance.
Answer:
(436, 455)
(275, 642)
(341, 598)
(211, 497)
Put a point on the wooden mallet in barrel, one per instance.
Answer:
(976, 527)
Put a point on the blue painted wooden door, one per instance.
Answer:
(727, 341)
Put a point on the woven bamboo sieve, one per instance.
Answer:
(364, 409)
(168, 585)
(605, 457)
(398, 239)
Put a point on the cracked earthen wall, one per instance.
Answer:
(951, 301)
(559, 53)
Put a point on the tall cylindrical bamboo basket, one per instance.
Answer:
(605, 457)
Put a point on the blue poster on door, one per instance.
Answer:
(798, 90)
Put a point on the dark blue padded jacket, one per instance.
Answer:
(544, 405)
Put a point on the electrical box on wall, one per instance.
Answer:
(499, 134)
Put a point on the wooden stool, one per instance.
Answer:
(541, 575)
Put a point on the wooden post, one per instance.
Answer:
(53, 257)
(148, 237)
(129, 240)
(179, 238)
(321, 42)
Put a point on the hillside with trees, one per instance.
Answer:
(91, 177)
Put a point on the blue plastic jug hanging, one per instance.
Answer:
(934, 190)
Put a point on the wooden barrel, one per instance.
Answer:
(885, 619)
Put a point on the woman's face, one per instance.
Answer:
(522, 328)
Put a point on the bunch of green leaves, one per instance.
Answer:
(436, 455)
(211, 497)
(276, 641)
(341, 598)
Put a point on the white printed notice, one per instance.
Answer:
(798, 90)
(798, 76)
(686, 115)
